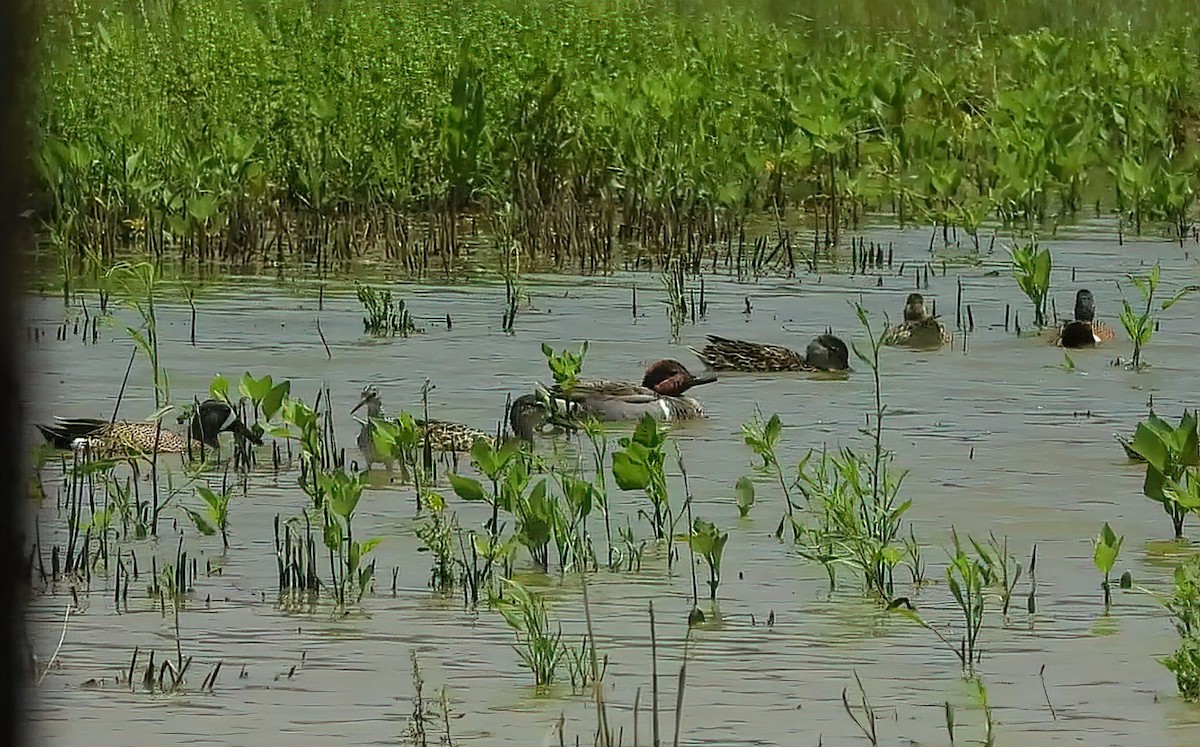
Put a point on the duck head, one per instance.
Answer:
(371, 399)
(828, 353)
(214, 417)
(1085, 306)
(914, 308)
(671, 378)
(526, 415)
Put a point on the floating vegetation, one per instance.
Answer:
(382, 315)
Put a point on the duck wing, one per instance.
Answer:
(725, 354)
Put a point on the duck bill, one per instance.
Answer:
(252, 435)
(704, 377)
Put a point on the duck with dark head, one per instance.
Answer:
(211, 418)
(824, 352)
(661, 394)
(1084, 331)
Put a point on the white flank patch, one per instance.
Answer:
(666, 410)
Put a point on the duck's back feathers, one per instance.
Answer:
(928, 333)
(1077, 334)
(725, 354)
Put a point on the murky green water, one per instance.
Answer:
(998, 439)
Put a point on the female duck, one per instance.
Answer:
(443, 435)
(824, 353)
(919, 329)
(1084, 331)
(211, 418)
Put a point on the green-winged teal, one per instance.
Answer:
(211, 418)
(442, 435)
(660, 395)
(1084, 331)
(824, 353)
(919, 329)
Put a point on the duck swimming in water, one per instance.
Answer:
(442, 435)
(660, 395)
(210, 419)
(1084, 331)
(824, 353)
(919, 329)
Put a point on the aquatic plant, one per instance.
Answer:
(350, 574)
(1140, 326)
(1172, 465)
(213, 517)
(1107, 546)
(967, 578)
(762, 438)
(541, 649)
(265, 394)
(360, 147)
(384, 315)
(1031, 269)
(743, 493)
(854, 499)
(139, 284)
(565, 366)
(437, 532)
(709, 543)
(1184, 606)
(640, 465)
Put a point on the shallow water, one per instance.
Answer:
(1000, 438)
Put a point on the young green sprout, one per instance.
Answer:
(1107, 547)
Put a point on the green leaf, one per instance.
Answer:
(485, 459)
(202, 524)
(332, 535)
(467, 488)
(1150, 445)
(218, 388)
(629, 474)
(772, 430)
(744, 493)
(274, 397)
(1108, 546)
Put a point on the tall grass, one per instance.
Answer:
(215, 128)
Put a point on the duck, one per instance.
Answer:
(1084, 331)
(211, 418)
(824, 352)
(919, 329)
(666, 377)
(443, 435)
(661, 395)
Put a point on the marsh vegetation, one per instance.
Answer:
(280, 207)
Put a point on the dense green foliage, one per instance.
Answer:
(214, 123)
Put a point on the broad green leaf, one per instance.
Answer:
(466, 488)
(629, 474)
(274, 397)
(202, 524)
(1149, 444)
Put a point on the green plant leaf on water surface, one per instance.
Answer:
(744, 493)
